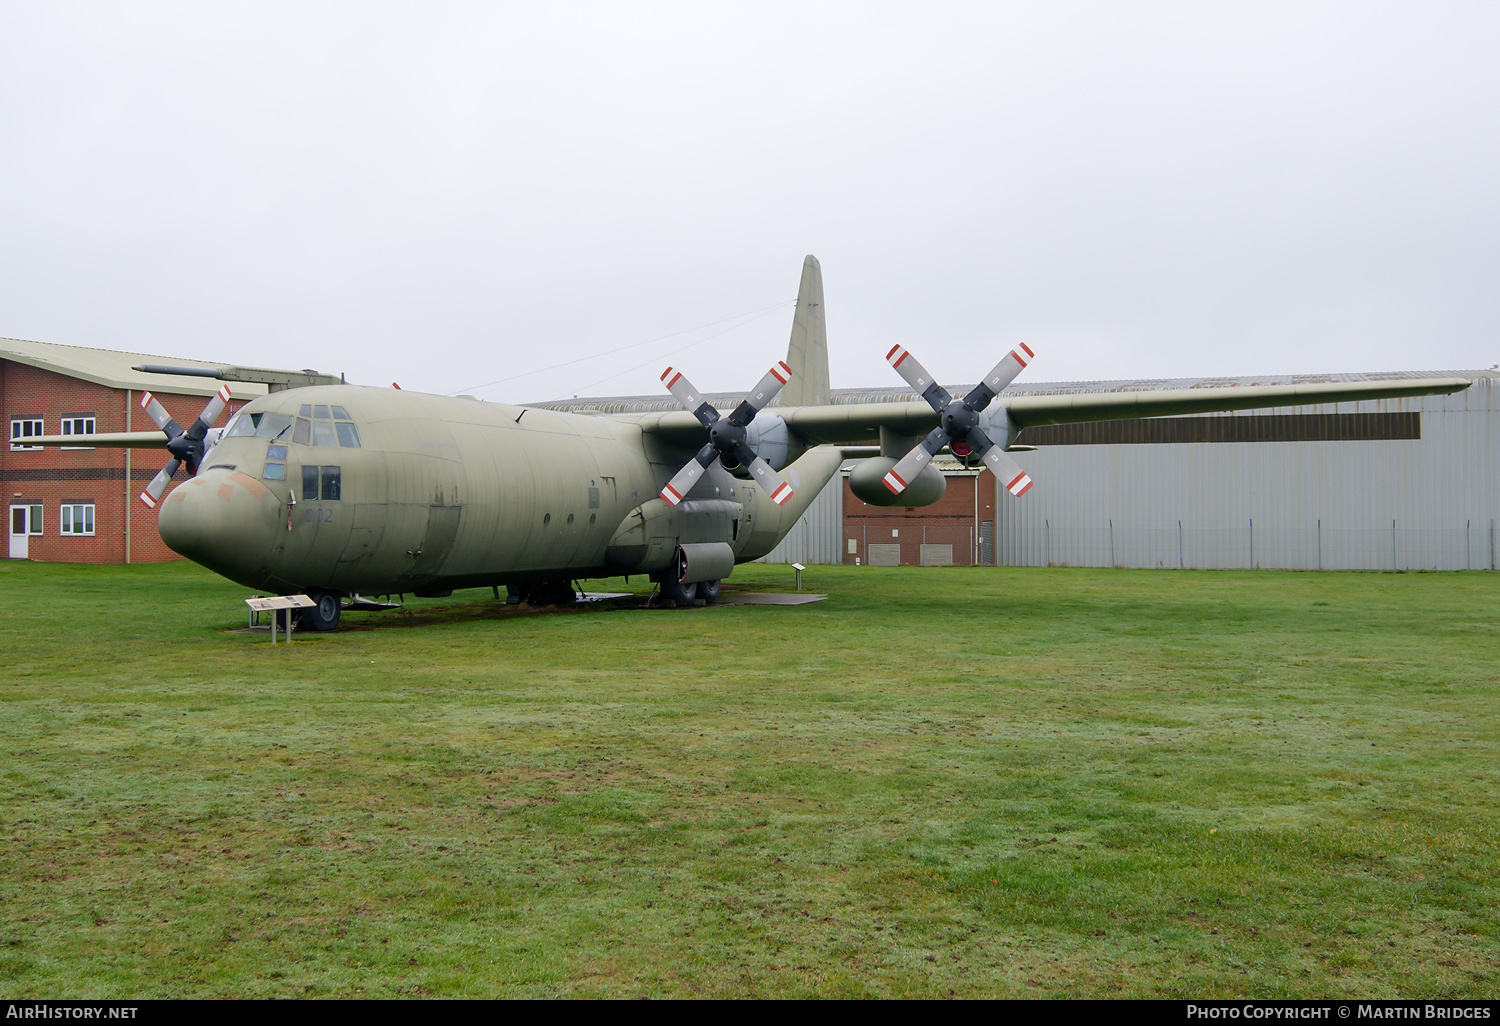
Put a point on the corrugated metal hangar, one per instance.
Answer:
(1403, 484)
(1389, 484)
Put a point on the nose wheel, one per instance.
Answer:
(325, 615)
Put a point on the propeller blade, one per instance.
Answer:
(765, 390)
(210, 413)
(995, 381)
(917, 377)
(677, 488)
(967, 440)
(913, 463)
(158, 414)
(152, 495)
(727, 436)
(770, 482)
(1007, 470)
(689, 396)
(188, 445)
(764, 474)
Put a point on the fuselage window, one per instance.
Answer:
(275, 452)
(332, 482)
(309, 483)
(275, 472)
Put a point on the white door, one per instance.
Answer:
(20, 529)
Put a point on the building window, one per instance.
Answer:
(79, 425)
(26, 520)
(78, 519)
(24, 428)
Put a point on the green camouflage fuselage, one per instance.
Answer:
(441, 493)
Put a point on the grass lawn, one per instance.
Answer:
(967, 782)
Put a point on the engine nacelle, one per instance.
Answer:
(997, 425)
(867, 482)
(767, 434)
(709, 561)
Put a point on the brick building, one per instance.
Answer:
(957, 530)
(80, 505)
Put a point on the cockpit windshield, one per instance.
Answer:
(313, 425)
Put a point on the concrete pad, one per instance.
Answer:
(768, 598)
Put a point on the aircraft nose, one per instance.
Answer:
(226, 521)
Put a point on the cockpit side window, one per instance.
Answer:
(242, 424)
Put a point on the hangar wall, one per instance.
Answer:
(816, 536)
(1406, 504)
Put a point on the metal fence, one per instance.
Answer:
(1470, 545)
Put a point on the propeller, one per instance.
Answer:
(726, 435)
(958, 421)
(186, 446)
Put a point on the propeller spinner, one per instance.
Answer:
(958, 421)
(726, 435)
(186, 446)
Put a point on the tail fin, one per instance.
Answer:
(807, 353)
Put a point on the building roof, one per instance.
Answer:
(111, 368)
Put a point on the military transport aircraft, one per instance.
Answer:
(339, 490)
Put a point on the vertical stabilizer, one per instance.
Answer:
(807, 353)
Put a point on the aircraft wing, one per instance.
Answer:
(108, 440)
(1026, 410)
(860, 423)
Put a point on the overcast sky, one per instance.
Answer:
(450, 195)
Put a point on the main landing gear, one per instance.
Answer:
(684, 596)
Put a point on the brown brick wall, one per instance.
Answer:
(52, 477)
(949, 521)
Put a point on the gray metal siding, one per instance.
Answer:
(816, 537)
(1396, 504)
